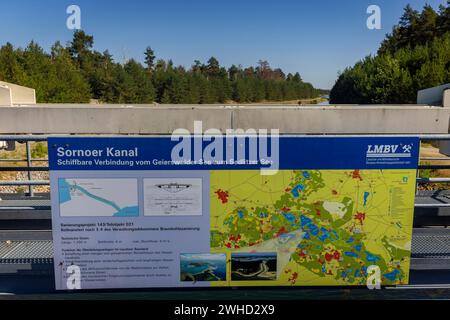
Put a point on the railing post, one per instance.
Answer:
(417, 178)
(29, 163)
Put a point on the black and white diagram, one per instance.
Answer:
(173, 197)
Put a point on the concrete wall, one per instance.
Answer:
(446, 99)
(5, 96)
(438, 96)
(113, 119)
(346, 119)
(108, 120)
(20, 95)
(432, 96)
(444, 146)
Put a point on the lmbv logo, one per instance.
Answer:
(389, 150)
(384, 148)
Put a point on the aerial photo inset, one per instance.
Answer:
(254, 266)
(203, 267)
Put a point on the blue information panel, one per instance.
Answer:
(135, 212)
(156, 153)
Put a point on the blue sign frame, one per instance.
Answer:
(154, 153)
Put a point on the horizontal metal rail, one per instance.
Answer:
(420, 286)
(434, 166)
(25, 183)
(3, 208)
(432, 205)
(9, 169)
(23, 160)
(20, 138)
(433, 180)
(435, 158)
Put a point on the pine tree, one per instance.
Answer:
(149, 59)
(140, 88)
(415, 56)
(11, 65)
(70, 86)
(78, 73)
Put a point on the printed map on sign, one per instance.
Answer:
(326, 227)
(98, 197)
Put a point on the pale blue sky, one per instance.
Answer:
(317, 38)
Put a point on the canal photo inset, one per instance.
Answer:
(203, 267)
(254, 266)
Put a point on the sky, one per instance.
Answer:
(317, 38)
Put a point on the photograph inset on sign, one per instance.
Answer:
(254, 266)
(86, 197)
(173, 196)
(203, 267)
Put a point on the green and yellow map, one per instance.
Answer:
(325, 226)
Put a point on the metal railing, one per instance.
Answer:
(29, 168)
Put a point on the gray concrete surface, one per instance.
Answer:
(163, 119)
(446, 98)
(5, 96)
(432, 96)
(19, 95)
(444, 146)
(109, 119)
(346, 119)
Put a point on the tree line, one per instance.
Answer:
(76, 73)
(415, 56)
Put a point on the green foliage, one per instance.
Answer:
(149, 58)
(427, 173)
(21, 190)
(55, 77)
(415, 56)
(77, 73)
(39, 151)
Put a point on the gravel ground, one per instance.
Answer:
(20, 153)
(22, 176)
